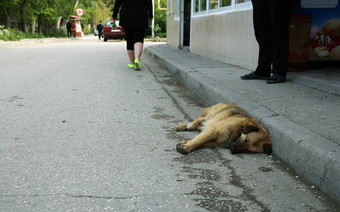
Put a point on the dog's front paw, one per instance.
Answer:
(191, 127)
(181, 127)
(180, 148)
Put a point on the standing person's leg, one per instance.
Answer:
(281, 11)
(262, 28)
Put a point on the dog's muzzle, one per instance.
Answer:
(234, 146)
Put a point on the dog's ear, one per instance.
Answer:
(267, 148)
(251, 126)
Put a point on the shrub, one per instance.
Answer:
(15, 34)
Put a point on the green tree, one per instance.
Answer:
(25, 14)
(8, 7)
(160, 19)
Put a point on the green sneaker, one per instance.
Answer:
(137, 65)
(131, 65)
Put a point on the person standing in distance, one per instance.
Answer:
(100, 29)
(69, 28)
(271, 25)
(134, 17)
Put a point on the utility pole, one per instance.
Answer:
(181, 25)
(153, 20)
(76, 4)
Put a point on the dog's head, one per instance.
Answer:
(255, 138)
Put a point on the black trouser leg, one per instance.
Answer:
(261, 22)
(281, 12)
(271, 19)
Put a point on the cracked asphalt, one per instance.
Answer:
(80, 131)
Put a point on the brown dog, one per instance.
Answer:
(228, 126)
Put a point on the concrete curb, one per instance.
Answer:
(309, 154)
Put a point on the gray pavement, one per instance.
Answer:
(302, 114)
(67, 145)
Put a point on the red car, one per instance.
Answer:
(113, 32)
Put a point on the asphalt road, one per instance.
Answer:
(79, 131)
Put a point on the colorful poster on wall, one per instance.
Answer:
(324, 37)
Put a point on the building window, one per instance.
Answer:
(241, 1)
(200, 5)
(203, 5)
(225, 3)
(177, 8)
(213, 4)
(170, 7)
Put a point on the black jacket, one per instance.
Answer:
(69, 25)
(100, 27)
(133, 13)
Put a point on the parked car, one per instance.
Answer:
(113, 31)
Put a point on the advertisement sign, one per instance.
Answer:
(324, 35)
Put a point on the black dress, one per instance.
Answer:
(133, 13)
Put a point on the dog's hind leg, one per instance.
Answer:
(207, 137)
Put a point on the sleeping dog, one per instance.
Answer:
(227, 126)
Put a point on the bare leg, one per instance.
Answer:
(131, 55)
(138, 50)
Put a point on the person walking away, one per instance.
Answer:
(134, 17)
(69, 28)
(271, 25)
(100, 29)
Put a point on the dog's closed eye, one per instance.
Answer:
(246, 139)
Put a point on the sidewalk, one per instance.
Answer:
(302, 114)
(25, 42)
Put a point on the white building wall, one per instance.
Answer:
(172, 31)
(226, 35)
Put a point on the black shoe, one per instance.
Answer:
(275, 78)
(253, 76)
